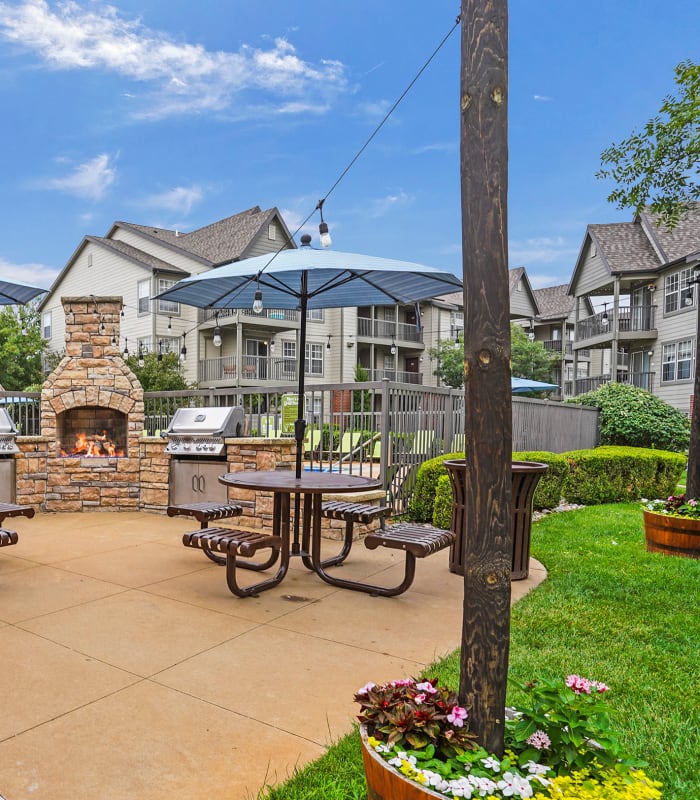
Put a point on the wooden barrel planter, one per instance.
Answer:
(673, 536)
(384, 782)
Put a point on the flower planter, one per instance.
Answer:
(384, 782)
(673, 536)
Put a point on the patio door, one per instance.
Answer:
(255, 359)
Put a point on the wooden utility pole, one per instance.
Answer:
(488, 427)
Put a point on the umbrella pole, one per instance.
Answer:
(300, 423)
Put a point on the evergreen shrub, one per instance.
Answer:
(621, 474)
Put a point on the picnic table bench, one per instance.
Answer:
(8, 537)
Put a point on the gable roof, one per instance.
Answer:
(554, 302)
(641, 245)
(515, 276)
(136, 256)
(227, 240)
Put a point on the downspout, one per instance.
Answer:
(616, 329)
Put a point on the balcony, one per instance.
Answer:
(398, 376)
(633, 322)
(289, 315)
(642, 380)
(555, 346)
(387, 329)
(253, 368)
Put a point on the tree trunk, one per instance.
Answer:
(487, 534)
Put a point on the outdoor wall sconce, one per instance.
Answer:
(272, 345)
(328, 345)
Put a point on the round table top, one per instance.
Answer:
(311, 482)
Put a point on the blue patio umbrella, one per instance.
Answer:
(525, 385)
(306, 278)
(16, 294)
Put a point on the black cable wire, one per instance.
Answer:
(388, 114)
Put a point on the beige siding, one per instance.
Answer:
(593, 273)
(171, 256)
(521, 302)
(263, 244)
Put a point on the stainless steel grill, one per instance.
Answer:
(201, 431)
(8, 433)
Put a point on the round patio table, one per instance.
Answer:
(311, 486)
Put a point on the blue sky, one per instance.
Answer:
(177, 114)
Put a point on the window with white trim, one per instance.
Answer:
(143, 293)
(314, 359)
(169, 344)
(143, 345)
(314, 314)
(676, 361)
(167, 306)
(46, 324)
(676, 286)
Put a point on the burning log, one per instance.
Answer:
(97, 445)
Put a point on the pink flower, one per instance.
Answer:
(404, 682)
(457, 716)
(539, 740)
(420, 698)
(600, 687)
(366, 688)
(578, 684)
(426, 686)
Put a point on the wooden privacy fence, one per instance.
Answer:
(377, 428)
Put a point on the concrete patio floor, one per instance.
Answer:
(130, 672)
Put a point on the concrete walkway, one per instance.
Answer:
(129, 671)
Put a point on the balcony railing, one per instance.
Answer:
(286, 314)
(555, 346)
(386, 329)
(252, 368)
(396, 375)
(629, 318)
(642, 380)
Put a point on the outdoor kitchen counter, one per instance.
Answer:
(303, 537)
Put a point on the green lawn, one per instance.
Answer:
(609, 611)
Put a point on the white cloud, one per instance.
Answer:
(180, 199)
(182, 78)
(541, 98)
(88, 181)
(382, 206)
(543, 250)
(31, 274)
(437, 147)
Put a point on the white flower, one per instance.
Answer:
(491, 763)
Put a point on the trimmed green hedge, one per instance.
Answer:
(589, 477)
(421, 506)
(612, 474)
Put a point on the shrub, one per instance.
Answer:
(421, 506)
(633, 417)
(617, 474)
(550, 488)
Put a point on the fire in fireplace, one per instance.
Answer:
(107, 439)
(99, 445)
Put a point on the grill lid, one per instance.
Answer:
(6, 423)
(212, 421)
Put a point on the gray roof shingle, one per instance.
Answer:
(218, 243)
(554, 302)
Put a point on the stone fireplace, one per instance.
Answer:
(92, 414)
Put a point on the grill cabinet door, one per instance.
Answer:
(196, 481)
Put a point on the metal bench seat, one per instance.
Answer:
(351, 514)
(234, 543)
